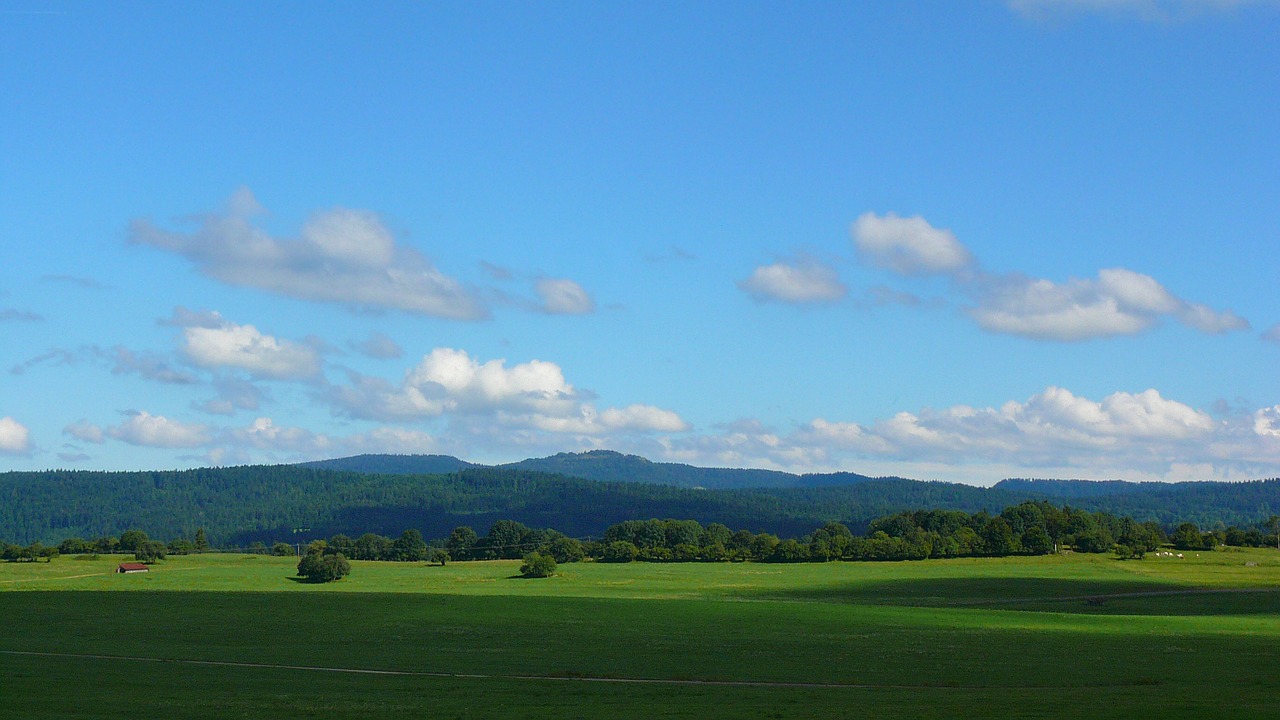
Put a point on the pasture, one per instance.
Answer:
(234, 636)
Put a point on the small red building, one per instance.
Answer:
(132, 568)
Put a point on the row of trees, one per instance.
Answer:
(1029, 528)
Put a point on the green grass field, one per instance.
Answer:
(235, 636)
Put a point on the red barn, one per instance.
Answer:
(132, 568)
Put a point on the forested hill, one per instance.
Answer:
(609, 466)
(242, 504)
(288, 502)
(394, 464)
(1206, 503)
(603, 465)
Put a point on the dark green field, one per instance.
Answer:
(231, 636)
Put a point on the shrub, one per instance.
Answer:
(318, 568)
(538, 565)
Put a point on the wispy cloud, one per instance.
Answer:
(1146, 10)
(122, 361)
(341, 255)
(1117, 302)
(84, 282)
(11, 315)
(379, 347)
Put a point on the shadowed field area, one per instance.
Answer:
(1013, 636)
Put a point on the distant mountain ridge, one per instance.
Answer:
(393, 464)
(599, 465)
(387, 494)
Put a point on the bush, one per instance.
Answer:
(318, 568)
(538, 565)
(282, 549)
(619, 552)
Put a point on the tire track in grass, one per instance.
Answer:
(780, 684)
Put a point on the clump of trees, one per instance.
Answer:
(317, 566)
(538, 565)
(30, 553)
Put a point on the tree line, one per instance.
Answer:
(1028, 528)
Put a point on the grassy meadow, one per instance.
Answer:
(237, 636)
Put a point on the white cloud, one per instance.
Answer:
(563, 297)
(15, 438)
(147, 430)
(244, 347)
(342, 255)
(909, 246)
(1118, 302)
(806, 281)
(531, 395)
(1055, 433)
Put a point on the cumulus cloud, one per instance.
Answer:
(228, 345)
(147, 430)
(1047, 427)
(1117, 302)
(909, 246)
(15, 438)
(1272, 334)
(341, 255)
(533, 395)
(1142, 436)
(804, 281)
(563, 297)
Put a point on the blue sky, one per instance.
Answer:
(957, 241)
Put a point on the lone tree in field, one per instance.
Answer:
(439, 556)
(538, 565)
(319, 568)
